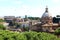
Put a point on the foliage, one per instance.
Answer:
(26, 28)
(2, 27)
(1, 20)
(33, 18)
(40, 36)
(57, 31)
(9, 35)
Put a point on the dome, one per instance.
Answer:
(46, 17)
(46, 13)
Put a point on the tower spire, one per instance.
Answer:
(46, 10)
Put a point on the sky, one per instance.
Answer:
(33, 8)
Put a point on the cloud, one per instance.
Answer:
(20, 8)
(9, 3)
(55, 1)
(55, 11)
(3, 0)
(17, 2)
(21, 11)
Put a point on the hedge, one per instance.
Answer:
(10, 35)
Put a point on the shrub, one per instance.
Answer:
(1, 20)
(9, 35)
(2, 27)
(57, 31)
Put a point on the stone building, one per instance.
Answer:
(46, 21)
(46, 17)
(46, 24)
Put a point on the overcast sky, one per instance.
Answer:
(28, 7)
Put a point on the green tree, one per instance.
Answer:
(2, 27)
(1, 20)
(34, 18)
(57, 31)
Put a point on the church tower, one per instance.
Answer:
(46, 17)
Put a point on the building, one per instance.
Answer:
(46, 17)
(9, 19)
(19, 20)
(16, 23)
(46, 21)
(46, 24)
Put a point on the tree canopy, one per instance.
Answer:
(1, 20)
(2, 27)
(57, 31)
(33, 18)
